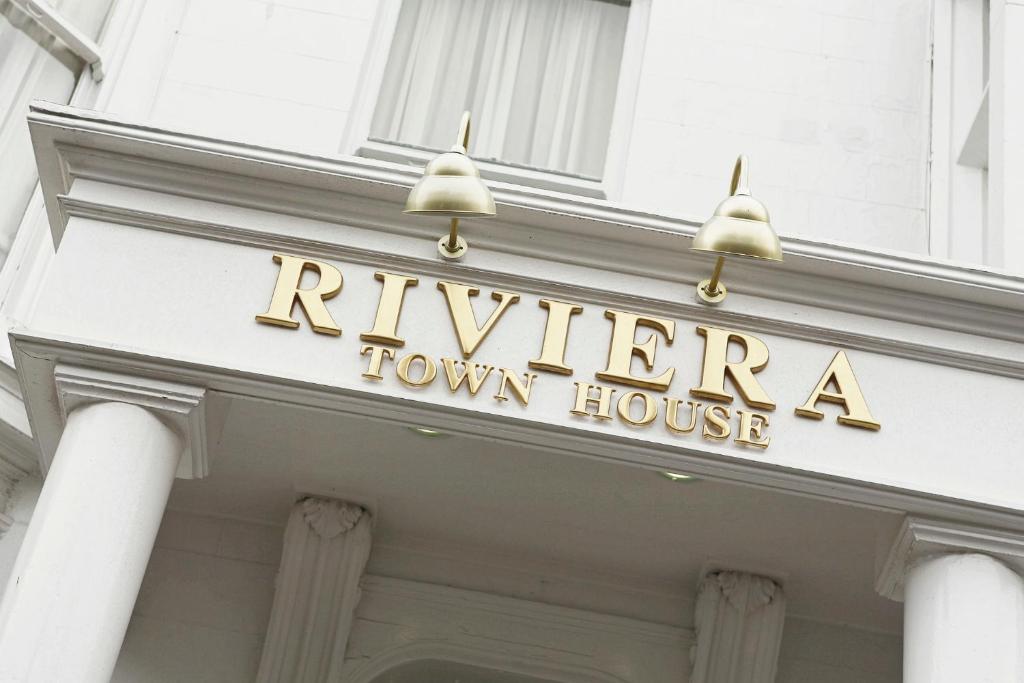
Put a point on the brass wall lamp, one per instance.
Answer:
(740, 227)
(451, 186)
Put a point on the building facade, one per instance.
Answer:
(255, 425)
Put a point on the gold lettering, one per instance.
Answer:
(385, 324)
(377, 354)
(556, 336)
(511, 380)
(717, 366)
(750, 430)
(624, 346)
(287, 292)
(583, 399)
(464, 319)
(721, 421)
(672, 415)
(405, 364)
(469, 375)
(839, 374)
(626, 403)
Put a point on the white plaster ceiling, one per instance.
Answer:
(544, 506)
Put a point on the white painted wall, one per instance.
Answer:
(815, 652)
(204, 604)
(829, 100)
(278, 74)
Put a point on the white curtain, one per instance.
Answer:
(33, 65)
(540, 77)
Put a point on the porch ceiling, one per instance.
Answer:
(539, 506)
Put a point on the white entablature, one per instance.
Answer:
(190, 225)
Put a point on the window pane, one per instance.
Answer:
(540, 77)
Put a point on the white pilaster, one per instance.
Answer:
(963, 601)
(326, 546)
(77, 575)
(738, 620)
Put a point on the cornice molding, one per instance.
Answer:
(920, 537)
(180, 405)
(573, 231)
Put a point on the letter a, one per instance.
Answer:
(847, 394)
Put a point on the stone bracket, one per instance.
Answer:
(920, 537)
(182, 406)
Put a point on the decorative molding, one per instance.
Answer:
(570, 230)
(326, 546)
(181, 405)
(435, 622)
(920, 537)
(36, 356)
(329, 518)
(738, 620)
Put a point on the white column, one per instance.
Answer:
(738, 620)
(77, 575)
(963, 617)
(963, 620)
(326, 546)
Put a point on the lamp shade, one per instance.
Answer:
(451, 186)
(740, 225)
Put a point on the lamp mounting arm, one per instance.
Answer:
(740, 181)
(462, 143)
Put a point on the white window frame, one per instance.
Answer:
(357, 140)
(58, 26)
(976, 159)
(959, 133)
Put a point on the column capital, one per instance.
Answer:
(181, 406)
(329, 517)
(921, 537)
